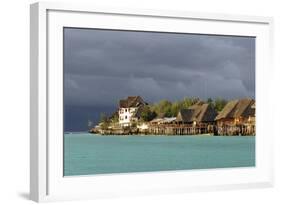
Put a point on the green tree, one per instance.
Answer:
(195, 100)
(147, 114)
(104, 121)
(219, 104)
(176, 106)
(210, 102)
(163, 108)
(185, 103)
(115, 118)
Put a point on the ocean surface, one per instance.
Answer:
(86, 154)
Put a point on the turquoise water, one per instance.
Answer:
(86, 154)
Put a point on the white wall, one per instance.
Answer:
(126, 112)
(14, 89)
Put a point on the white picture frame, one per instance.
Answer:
(46, 178)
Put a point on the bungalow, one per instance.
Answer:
(197, 114)
(237, 118)
(200, 118)
(130, 110)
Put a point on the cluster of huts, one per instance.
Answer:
(236, 118)
(197, 119)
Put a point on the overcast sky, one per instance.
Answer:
(103, 66)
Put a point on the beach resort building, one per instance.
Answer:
(237, 118)
(197, 119)
(130, 110)
(199, 113)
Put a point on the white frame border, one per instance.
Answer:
(39, 74)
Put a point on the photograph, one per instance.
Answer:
(148, 101)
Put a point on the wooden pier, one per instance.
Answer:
(242, 129)
(180, 129)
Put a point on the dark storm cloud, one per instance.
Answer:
(103, 66)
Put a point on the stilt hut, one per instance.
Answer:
(197, 119)
(237, 118)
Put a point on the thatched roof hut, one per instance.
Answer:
(237, 108)
(131, 101)
(185, 115)
(200, 112)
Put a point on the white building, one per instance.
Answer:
(130, 110)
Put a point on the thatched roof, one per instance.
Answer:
(238, 108)
(196, 105)
(254, 105)
(185, 115)
(227, 110)
(200, 112)
(131, 101)
(206, 114)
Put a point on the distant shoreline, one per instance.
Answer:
(154, 135)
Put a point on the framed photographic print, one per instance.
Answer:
(128, 101)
